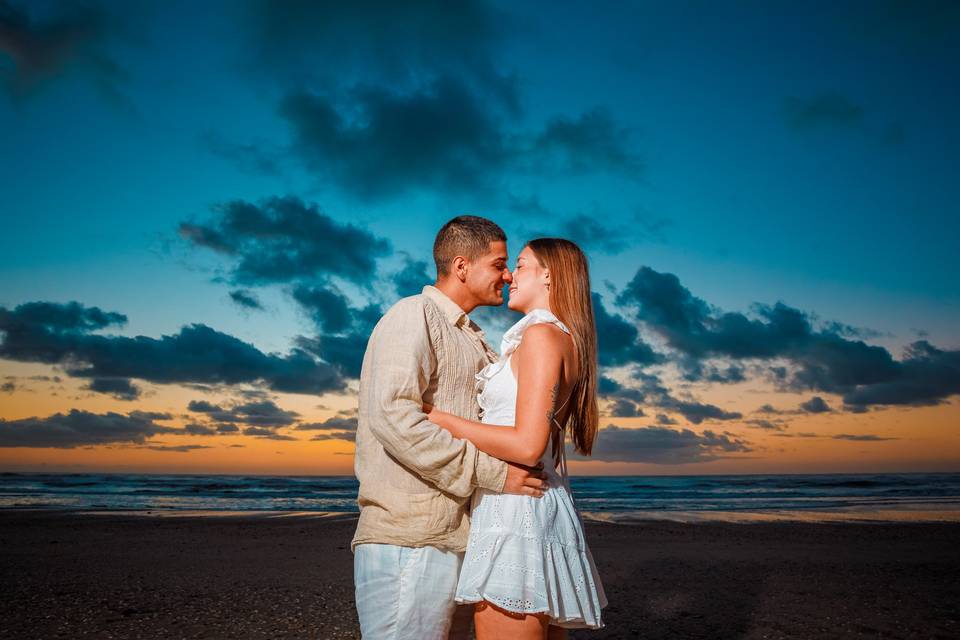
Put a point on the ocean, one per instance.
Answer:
(620, 498)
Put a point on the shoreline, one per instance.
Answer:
(847, 515)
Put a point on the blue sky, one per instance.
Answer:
(756, 152)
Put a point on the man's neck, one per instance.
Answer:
(455, 291)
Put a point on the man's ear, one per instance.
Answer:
(459, 267)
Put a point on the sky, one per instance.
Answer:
(206, 207)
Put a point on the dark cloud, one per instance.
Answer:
(582, 144)
(82, 428)
(394, 42)
(344, 329)
(828, 108)
(411, 279)
(262, 417)
(660, 445)
(179, 448)
(195, 429)
(42, 49)
(769, 425)
(336, 423)
(769, 408)
(375, 143)
(246, 299)
(339, 428)
(647, 389)
(822, 359)
(816, 404)
(257, 158)
(592, 231)
(266, 433)
(59, 334)
(926, 376)
(327, 307)
(348, 436)
(382, 143)
(623, 408)
(119, 388)
(618, 341)
(282, 239)
(861, 438)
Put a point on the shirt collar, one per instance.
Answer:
(453, 312)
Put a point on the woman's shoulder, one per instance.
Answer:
(545, 339)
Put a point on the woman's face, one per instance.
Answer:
(529, 290)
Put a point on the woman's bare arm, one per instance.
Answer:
(540, 366)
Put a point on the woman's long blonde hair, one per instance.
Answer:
(571, 302)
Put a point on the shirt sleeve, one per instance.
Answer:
(403, 360)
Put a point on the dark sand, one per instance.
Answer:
(69, 575)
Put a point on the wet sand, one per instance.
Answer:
(70, 575)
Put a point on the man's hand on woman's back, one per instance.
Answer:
(525, 481)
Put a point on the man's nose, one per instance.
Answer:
(507, 276)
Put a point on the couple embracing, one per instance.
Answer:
(464, 493)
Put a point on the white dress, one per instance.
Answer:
(526, 554)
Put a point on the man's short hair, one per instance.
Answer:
(467, 236)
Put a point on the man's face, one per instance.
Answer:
(488, 274)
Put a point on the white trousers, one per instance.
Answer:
(406, 593)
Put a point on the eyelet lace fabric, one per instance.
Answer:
(525, 554)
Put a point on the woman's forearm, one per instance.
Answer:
(500, 441)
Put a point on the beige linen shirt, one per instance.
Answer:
(415, 478)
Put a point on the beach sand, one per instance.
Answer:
(72, 575)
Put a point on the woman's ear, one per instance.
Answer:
(546, 279)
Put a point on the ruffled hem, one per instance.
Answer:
(530, 575)
(566, 623)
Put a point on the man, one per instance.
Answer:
(415, 478)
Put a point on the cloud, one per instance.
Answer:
(647, 389)
(822, 359)
(394, 42)
(375, 143)
(348, 436)
(345, 329)
(828, 108)
(282, 239)
(861, 438)
(245, 299)
(618, 341)
(55, 333)
(336, 423)
(623, 408)
(581, 144)
(180, 448)
(816, 404)
(411, 279)
(82, 428)
(661, 445)
(119, 388)
(926, 376)
(262, 417)
(70, 42)
(257, 158)
(382, 143)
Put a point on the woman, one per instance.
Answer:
(527, 565)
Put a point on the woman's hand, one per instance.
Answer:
(438, 417)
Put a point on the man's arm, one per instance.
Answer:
(402, 363)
